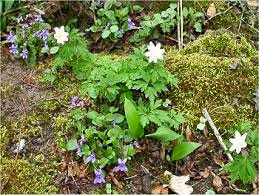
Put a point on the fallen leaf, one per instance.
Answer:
(188, 133)
(256, 186)
(159, 189)
(115, 181)
(211, 10)
(205, 173)
(217, 182)
(73, 169)
(177, 183)
(217, 160)
(162, 152)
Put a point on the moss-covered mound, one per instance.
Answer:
(23, 177)
(207, 81)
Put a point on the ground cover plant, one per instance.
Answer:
(163, 117)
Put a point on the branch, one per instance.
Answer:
(219, 14)
(216, 132)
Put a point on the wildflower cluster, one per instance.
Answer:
(32, 34)
(33, 38)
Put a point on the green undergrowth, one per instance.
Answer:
(207, 81)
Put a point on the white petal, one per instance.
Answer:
(237, 135)
(158, 45)
(244, 136)
(238, 150)
(62, 28)
(232, 141)
(232, 148)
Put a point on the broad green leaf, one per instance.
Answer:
(164, 134)
(114, 28)
(133, 119)
(54, 50)
(8, 5)
(44, 50)
(72, 144)
(183, 149)
(137, 8)
(202, 119)
(105, 34)
(124, 12)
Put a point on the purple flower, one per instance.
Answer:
(121, 166)
(19, 19)
(73, 101)
(24, 29)
(24, 54)
(79, 151)
(98, 177)
(38, 18)
(81, 140)
(44, 34)
(11, 37)
(14, 49)
(131, 24)
(37, 34)
(81, 103)
(91, 158)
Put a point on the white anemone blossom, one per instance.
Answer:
(238, 142)
(177, 184)
(154, 52)
(60, 35)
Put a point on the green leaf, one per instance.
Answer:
(164, 14)
(202, 119)
(133, 119)
(183, 149)
(124, 12)
(8, 5)
(198, 27)
(105, 34)
(164, 134)
(114, 28)
(72, 144)
(45, 50)
(54, 50)
(137, 8)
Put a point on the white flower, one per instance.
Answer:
(177, 184)
(60, 35)
(19, 146)
(154, 52)
(238, 142)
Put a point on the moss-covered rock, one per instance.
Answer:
(220, 43)
(24, 177)
(207, 81)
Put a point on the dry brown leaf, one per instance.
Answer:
(217, 160)
(217, 182)
(188, 133)
(162, 152)
(159, 190)
(73, 169)
(256, 186)
(115, 181)
(211, 10)
(205, 173)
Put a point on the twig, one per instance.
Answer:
(219, 14)
(178, 26)
(172, 39)
(127, 178)
(239, 26)
(216, 132)
(235, 188)
(181, 15)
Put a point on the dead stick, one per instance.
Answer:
(216, 132)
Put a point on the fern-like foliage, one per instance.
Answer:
(75, 54)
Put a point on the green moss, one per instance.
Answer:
(206, 80)
(220, 43)
(25, 177)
